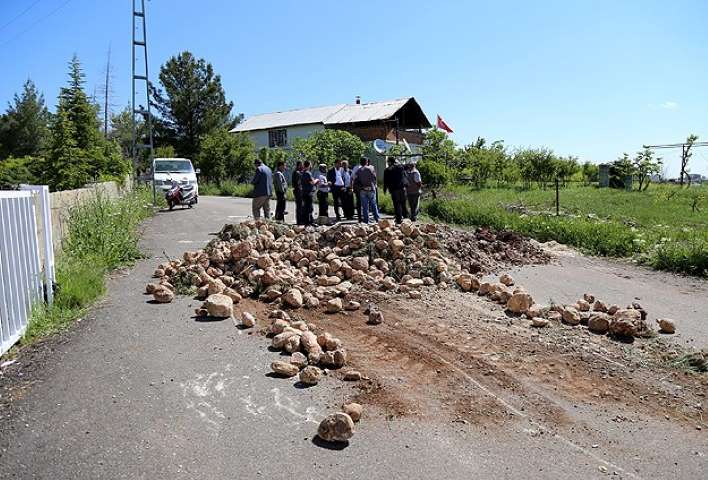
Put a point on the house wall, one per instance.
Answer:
(260, 137)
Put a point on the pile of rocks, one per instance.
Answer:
(298, 267)
(590, 312)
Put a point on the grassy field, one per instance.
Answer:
(665, 226)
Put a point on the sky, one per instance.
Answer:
(591, 79)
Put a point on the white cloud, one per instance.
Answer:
(669, 105)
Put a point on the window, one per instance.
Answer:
(277, 138)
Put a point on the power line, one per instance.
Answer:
(35, 23)
(19, 15)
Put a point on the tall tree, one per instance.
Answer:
(80, 111)
(24, 127)
(686, 154)
(190, 101)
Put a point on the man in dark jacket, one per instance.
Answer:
(395, 182)
(281, 189)
(262, 190)
(297, 192)
(307, 184)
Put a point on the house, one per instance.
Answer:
(388, 120)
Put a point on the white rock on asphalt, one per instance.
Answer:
(519, 302)
(219, 305)
(248, 320)
(284, 369)
(310, 375)
(666, 325)
(336, 427)
(354, 410)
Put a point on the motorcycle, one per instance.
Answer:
(181, 195)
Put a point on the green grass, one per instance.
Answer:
(659, 227)
(102, 235)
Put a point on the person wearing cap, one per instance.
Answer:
(323, 189)
(262, 190)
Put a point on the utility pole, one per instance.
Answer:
(685, 153)
(140, 77)
(106, 93)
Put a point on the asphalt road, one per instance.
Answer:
(143, 391)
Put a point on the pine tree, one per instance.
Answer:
(24, 129)
(81, 112)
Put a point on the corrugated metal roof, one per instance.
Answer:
(334, 114)
(303, 116)
(366, 112)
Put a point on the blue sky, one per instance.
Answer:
(587, 78)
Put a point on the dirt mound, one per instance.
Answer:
(485, 251)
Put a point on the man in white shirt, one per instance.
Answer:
(336, 180)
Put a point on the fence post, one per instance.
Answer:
(46, 214)
(557, 199)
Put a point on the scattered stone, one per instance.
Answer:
(507, 280)
(336, 427)
(554, 316)
(613, 309)
(571, 316)
(284, 369)
(583, 306)
(278, 326)
(150, 288)
(352, 305)
(539, 322)
(298, 359)
(293, 298)
(334, 305)
(599, 322)
(415, 294)
(354, 410)
(519, 302)
(219, 305)
(310, 375)
(589, 297)
(599, 306)
(163, 295)
(248, 320)
(352, 376)
(375, 317)
(666, 325)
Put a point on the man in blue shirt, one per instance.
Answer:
(262, 190)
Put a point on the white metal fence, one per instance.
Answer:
(21, 277)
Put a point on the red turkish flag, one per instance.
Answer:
(443, 126)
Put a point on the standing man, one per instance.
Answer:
(323, 188)
(281, 188)
(295, 181)
(413, 189)
(336, 181)
(262, 190)
(307, 187)
(347, 197)
(395, 183)
(355, 190)
(366, 184)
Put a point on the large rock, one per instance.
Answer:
(467, 282)
(163, 295)
(298, 359)
(360, 263)
(571, 316)
(354, 410)
(376, 317)
(625, 322)
(248, 320)
(599, 322)
(219, 305)
(336, 427)
(310, 375)
(278, 326)
(666, 325)
(583, 306)
(599, 306)
(284, 369)
(519, 302)
(308, 341)
(150, 288)
(293, 298)
(292, 344)
(506, 279)
(334, 305)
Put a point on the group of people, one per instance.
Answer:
(353, 190)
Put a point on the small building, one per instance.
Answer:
(389, 120)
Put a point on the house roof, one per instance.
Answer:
(337, 115)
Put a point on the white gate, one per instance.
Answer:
(21, 285)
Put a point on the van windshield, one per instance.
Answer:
(173, 166)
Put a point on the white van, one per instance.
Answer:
(179, 169)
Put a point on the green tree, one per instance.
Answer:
(165, 151)
(686, 154)
(14, 171)
(224, 155)
(620, 169)
(645, 165)
(536, 165)
(80, 111)
(438, 147)
(327, 146)
(591, 172)
(191, 103)
(434, 174)
(24, 128)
